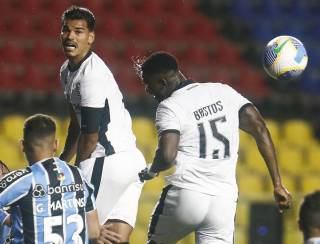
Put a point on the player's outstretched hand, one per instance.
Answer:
(107, 236)
(145, 174)
(283, 198)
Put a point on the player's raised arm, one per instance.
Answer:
(252, 122)
(70, 147)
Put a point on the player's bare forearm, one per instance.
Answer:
(252, 122)
(167, 151)
(86, 145)
(70, 147)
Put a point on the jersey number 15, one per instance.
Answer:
(218, 136)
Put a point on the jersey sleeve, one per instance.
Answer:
(237, 98)
(167, 117)
(15, 186)
(93, 91)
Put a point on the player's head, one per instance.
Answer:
(309, 216)
(39, 140)
(160, 74)
(77, 32)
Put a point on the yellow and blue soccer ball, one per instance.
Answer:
(285, 58)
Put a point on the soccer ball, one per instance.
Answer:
(285, 58)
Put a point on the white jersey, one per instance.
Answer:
(91, 84)
(207, 118)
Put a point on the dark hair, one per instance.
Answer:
(38, 126)
(309, 215)
(159, 62)
(76, 12)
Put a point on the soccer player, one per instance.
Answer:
(309, 218)
(198, 127)
(56, 202)
(100, 130)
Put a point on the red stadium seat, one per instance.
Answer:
(144, 29)
(180, 7)
(96, 6)
(35, 78)
(13, 53)
(197, 55)
(31, 6)
(58, 6)
(120, 7)
(113, 28)
(151, 7)
(49, 27)
(8, 78)
(173, 28)
(22, 26)
(42, 53)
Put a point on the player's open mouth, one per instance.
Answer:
(69, 46)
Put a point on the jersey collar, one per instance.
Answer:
(314, 240)
(183, 84)
(76, 67)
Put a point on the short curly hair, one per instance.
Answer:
(76, 12)
(158, 62)
(309, 215)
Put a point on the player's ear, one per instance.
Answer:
(164, 82)
(55, 145)
(91, 37)
(22, 145)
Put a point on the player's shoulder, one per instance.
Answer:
(15, 175)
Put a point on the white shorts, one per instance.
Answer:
(117, 184)
(181, 211)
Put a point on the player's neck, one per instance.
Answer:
(75, 62)
(36, 157)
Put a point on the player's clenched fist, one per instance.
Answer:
(146, 174)
(283, 198)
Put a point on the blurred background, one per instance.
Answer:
(215, 40)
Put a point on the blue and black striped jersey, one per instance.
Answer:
(53, 197)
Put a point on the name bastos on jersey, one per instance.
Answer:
(53, 198)
(92, 85)
(207, 118)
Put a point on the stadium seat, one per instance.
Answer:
(139, 234)
(145, 210)
(35, 78)
(297, 132)
(13, 53)
(154, 185)
(144, 29)
(43, 53)
(49, 28)
(254, 160)
(11, 153)
(291, 159)
(251, 184)
(151, 7)
(289, 181)
(313, 158)
(113, 28)
(309, 183)
(12, 126)
(8, 78)
(242, 215)
(240, 236)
